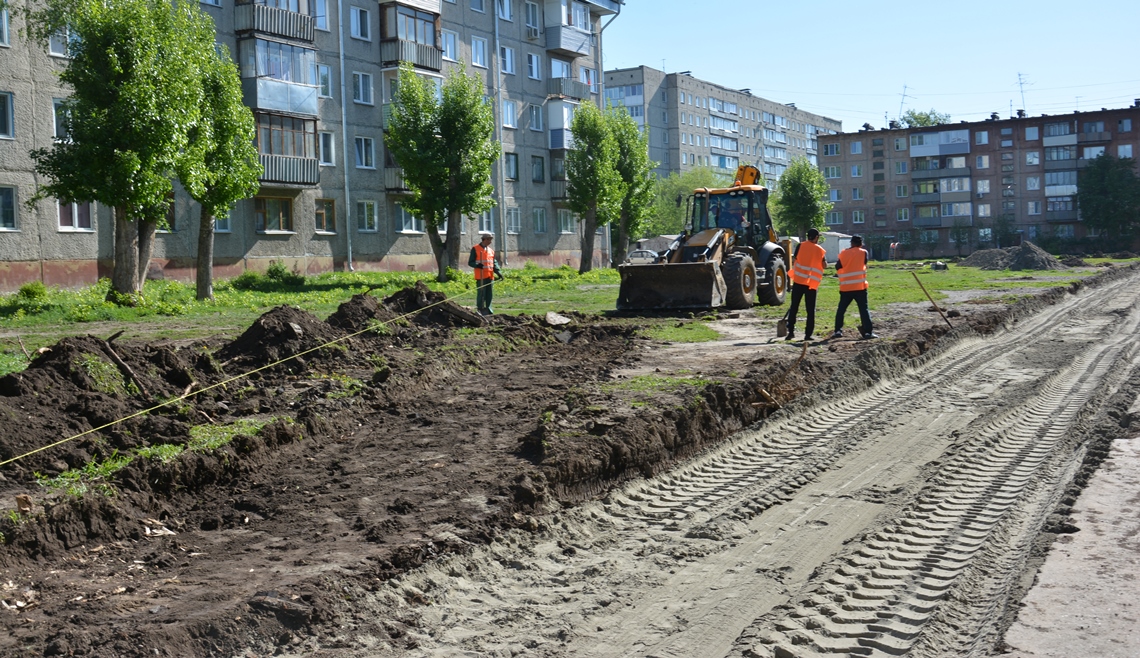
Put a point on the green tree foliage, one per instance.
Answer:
(221, 164)
(446, 148)
(905, 240)
(1005, 231)
(136, 95)
(595, 189)
(917, 119)
(961, 234)
(801, 202)
(635, 169)
(667, 207)
(929, 241)
(1109, 197)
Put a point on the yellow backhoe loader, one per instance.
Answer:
(728, 255)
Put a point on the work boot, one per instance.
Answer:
(791, 335)
(838, 334)
(869, 336)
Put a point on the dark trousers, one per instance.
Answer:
(860, 299)
(484, 291)
(802, 291)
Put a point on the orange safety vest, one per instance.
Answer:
(853, 275)
(810, 261)
(484, 262)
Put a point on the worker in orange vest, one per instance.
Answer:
(482, 259)
(852, 269)
(810, 260)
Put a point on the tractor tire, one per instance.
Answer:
(773, 294)
(740, 279)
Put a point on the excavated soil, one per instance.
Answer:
(403, 432)
(1026, 256)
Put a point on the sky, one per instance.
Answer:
(868, 62)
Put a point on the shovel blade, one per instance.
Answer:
(781, 328)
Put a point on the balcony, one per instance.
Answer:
(933, 197)
(290, 170)
(928, 222)
(949, 172)
(271, 20)
(560, 138)
(1059, 165)
(394, 179)
(394, 51)
(1061, 215)
(279, 96)
(603, 7)
(558, 190)
(567, 41)
(957, 197)
(567, 87)
(1105, 136)
(431, 6)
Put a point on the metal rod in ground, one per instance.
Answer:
(915, 274)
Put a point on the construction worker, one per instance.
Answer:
(852, 269)
(807, 273)
(482, 259)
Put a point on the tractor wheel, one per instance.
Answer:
(740, 279)
(773, 293)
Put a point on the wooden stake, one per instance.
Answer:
(915, 274)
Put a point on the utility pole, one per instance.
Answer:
(902, 100)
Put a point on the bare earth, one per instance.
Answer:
(577, 490)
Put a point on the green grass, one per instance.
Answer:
(163, 453)
(204, 438)
(76, 482)
(655, 383)
(687, 332)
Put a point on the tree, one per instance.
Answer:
(961, 234)
(220, 165)
(915, 119)
(1004, 230)
(446, 147)
(905, 239)
(634, 167)
(1109, 197)
(666, 214)
(595, 189)
(135, 96)
(929, 241)
(802, 199)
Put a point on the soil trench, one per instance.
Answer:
(435, 488)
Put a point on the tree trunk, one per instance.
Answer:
(454, 228)
(438, 249)
(619, 250)
(205, 273)
(147, 228)
(124, 274)
(589, 230)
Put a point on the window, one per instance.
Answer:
(537, 121)
(856, 171)
(323, 78)
(514, 221)
(532, 15)
(590, 77)
(222, 224)
(510, 114)
(1058, 129)
(1033, 207)
(566, 221)
(835, 195)
(1124, 151)
(358, 19)
(362, 88)
(926, 187)
(507, 60)
(834, 217)
(59, 112)
(1006, 132)
(486, 221)
(902, 215)
(449, 40)
(327, 153)
(856, 194)
(1060, 178)
(900, 167)
(479, 5)
(1059, 204)
(1031, 133)
(7, 112)
(1033, 158)
(4, 28)
(1124, 125)
(326, 216)
(282, 135)
(983, 186)
(366, 221)
(857, 217)
(534, 66)
(59, 42)
(946, 185)
(7, 208)
(479, 51)
(928, 212)
(539, 216)
(1007, 156)
(272, 214)
(831, 149)
(504, 10)
(902, 191)
(828, 172)
(1093, 152)
(511, 166)
(557, 169)
(957, 209)
(364, 159)
(1093, 127)
(559, 68)
(258, 58)
(1054, 153)
(982, 137)
(1033, 183)
(983, 210)
(985, 234)
(538, 168)
(321, 14)
(982, 162)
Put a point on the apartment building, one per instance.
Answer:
(695, 123)
(940, 189)
(319, 76)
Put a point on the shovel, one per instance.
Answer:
(782, 326)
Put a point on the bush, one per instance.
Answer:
(247, 280)
(33, 291)
(281, 274)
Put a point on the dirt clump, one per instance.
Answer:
(1026, 256)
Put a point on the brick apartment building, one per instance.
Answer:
(941, 188)
(319, 76)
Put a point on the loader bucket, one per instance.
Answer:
(670, 285)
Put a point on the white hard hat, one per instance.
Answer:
(486, 234)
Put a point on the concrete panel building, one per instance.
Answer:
(941, 189)
(694, 123)
(319, 76)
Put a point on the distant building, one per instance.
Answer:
(697, 123)
(942, 185)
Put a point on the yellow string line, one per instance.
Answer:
(224, 382)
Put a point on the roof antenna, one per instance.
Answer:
(1021, 84)
(902, 100)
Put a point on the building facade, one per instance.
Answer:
(319, 76)
(953, 188)
(694, 123)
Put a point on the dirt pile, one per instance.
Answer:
(282, 332)
(1026, 256)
